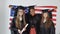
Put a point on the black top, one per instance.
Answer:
(50, 30)
(33, 21)
(13, 25)
(14, 28)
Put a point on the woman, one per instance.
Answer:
(46, 25)
(18, 23)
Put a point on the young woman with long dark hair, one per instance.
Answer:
(46, 25)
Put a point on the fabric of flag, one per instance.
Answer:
(38, 10)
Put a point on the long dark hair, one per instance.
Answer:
(48, 21)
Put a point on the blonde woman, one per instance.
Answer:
(19, 24)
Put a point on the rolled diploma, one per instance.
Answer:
(24, 28)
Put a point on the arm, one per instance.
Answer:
(13, 26)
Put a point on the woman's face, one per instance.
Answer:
(20, 12)
(45, 15)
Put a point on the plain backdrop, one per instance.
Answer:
(5, 11)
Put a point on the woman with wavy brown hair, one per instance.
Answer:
(46, 25)
(19, 24)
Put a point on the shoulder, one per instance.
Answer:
(39, 15)
(13, 20)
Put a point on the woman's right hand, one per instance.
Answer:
(19, 31)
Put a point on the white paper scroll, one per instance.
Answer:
(21, 31)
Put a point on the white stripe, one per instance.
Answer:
(42, 8)
(38, 12)
(9, 25)
(10, 21)
(11, 17)
(54, 21)
(53, 17)
(54, 13)
(55, 26)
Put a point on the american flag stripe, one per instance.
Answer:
(54, 15)
(55, 7)
(11, 18)
(10, 22)
(38, 12)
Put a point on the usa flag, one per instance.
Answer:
(38, 10)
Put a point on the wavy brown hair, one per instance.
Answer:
(18, 23)
(48, 21)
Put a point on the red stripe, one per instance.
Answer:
(38, 10)
(54, 15)
(9, 27)
(47, 7)
(10, 23)
(53, 10)
(11, 19)
(53, 19)
(42, 9)
(54, 24)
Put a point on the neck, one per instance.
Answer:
(20, 18)
(21, 15)
(32, 14)
(45, 18)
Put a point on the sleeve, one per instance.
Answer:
(38, 23)
(52, 29)
(13, 26)
(27, 21)
(26, 18)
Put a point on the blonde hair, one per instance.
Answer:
(18, 23)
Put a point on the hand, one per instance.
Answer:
(25, 27)
(19, 31)
(23, 30)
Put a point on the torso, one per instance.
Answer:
(43, 30)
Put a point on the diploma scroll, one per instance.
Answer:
(21, 31)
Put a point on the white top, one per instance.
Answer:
(20, 18)
(44, 21)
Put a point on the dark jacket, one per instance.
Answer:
(50, 30)
(14, 29)
(33, 21)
